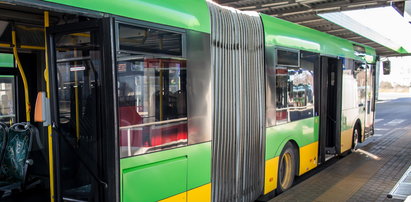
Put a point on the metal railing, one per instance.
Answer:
(137, 126)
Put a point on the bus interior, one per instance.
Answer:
(75, 49)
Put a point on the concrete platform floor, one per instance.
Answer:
(368, 174)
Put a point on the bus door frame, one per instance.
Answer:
(107, 112)
(323, 76)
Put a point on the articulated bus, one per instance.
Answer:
(142, 100)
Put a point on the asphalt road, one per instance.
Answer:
(391, 114)
(372, 171)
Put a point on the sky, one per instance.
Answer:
(383, 25)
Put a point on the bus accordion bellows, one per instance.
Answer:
(178, 100)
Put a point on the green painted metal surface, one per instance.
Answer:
(286, 34)
(192, 14)
(303, 132)
(159, 175)
(6, 60)
(162, 179)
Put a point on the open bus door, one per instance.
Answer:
(84, 134)
(330, 107)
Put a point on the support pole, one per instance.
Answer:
(49, 128)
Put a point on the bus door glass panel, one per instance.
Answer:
(78, 59)
(281, 95)
(309, 64)
(151, 80)
(360, 74)
(370, 95)
(271, 96)
(7, 97)
(300, 93)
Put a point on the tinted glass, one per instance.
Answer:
(7, 100)
(300, 93)
(147, 40)
(151, 95)
(287, 58)
(281, 95)
(294, 88)
(78, 63)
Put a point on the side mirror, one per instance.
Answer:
(42, 109)
(359, 66)
(386, 67)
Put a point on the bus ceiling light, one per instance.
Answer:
(42, 109)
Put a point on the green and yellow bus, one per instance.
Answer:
(150, 100)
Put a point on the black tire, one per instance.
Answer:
(355, 138)
(286, 168)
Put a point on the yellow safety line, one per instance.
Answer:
(23, 76)
(49, 128)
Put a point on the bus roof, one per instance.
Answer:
(282, 33)
(192, 14)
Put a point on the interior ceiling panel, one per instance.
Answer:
(304, 12)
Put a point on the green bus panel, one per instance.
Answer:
(159, 175)
(304, 132)
(286, 34)
(6, 60)
(192, 14)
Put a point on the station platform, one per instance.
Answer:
(372, 171)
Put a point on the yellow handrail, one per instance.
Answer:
(23, 76)
(49, 128)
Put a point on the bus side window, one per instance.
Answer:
(151, 79)
(7, 91)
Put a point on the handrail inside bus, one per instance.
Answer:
(23, 75)
(154, 123)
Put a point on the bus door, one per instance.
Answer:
(361, 77)
(370, 100)
(79, 131)
(330, 107)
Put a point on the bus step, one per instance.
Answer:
(330, 150)
(72, 199)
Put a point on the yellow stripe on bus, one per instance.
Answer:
(200, 194)
(346, 140)
(270, 177)
(308, 157)
(176, 198)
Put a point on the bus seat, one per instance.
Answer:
(13, 166)
(3, 138)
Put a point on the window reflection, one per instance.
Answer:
(7, 110)
(151, 91)
(282, 95)
(294, 89)
(300, 102)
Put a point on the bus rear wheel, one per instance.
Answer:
(286, 168)
(355, 139)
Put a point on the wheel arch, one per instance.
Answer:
(296, 150)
